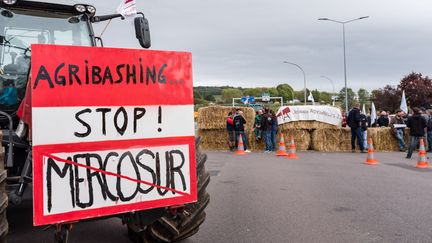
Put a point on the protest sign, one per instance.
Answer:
(325, 114)
(112, 131)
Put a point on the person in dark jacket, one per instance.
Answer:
(417, 124)
(353, 121)
(266, 126)
(239, 123)
(274, 130)
(364, 127)
(383, 120)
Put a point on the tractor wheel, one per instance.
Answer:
(183, 225)
(4, 226)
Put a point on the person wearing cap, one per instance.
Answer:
(398, 126)
(417, 125)
(383, 120)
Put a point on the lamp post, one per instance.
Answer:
(331, 81)
(343, 34)
(304, 79)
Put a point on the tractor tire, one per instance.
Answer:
(184, 225)
(4, 226)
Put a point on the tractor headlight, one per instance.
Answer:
(80, 8)
(9, 2)
(91, 9)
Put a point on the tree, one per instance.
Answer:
(272, 91)
(210, 98)
(325, 98)
(351, 96)
(418, 89)
(256, 92)
(299, 95)
(285, 91)
(316, 94)
(230, 93)
(363, 96)
(387, 98)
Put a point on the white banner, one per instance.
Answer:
(325, 114)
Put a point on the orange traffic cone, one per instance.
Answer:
(370, 157)
(292, 150)
(422, 160)
(282, 149)
(240, 147)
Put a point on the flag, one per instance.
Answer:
(127, 9)
(403, 105)
(364, 109)
(311, 98)
(373, 114)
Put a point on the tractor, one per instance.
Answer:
(23, 23)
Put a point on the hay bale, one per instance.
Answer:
(217, 140)
(326, 140)
(302, 138)
(310, 125)
(345, 139)
(383, 139)
(214, 139)
(214, 117)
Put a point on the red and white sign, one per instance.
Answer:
(112, 131)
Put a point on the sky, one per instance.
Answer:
(245, 42)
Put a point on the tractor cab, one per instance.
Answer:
(23, 23)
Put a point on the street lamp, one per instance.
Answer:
(304, 78)
(331, 81)
(343, 33)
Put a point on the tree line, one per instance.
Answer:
(418, 91)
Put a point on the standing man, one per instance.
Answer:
(274, 129)
(363, 128)
(417, 124)
(353, 121)
(398, 126)
(266, 126)
(239, 123)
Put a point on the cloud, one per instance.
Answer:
(244, 42)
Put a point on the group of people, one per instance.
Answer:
(235, 124)
(266, 126)
(419, 123)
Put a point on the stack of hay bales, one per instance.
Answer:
(212, 126)
(326, 140)
(301, 137)
(384, 140)
(303, 132)
(308, 135)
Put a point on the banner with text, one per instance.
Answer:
(325, 114)
(112, 131)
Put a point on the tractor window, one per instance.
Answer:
(18, 31)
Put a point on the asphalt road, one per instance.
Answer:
(319, 198)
